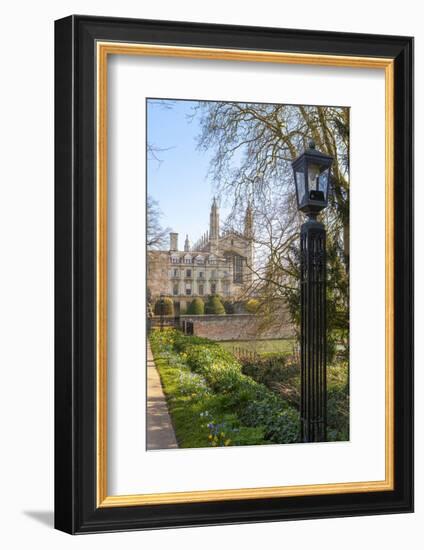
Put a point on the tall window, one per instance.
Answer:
(175, 290)
(188, 272)
(200, 274)
(201, 290)
(213, 288)
(188, 289)
(238, 269)
(175, 272)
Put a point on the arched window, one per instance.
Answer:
(237, 269)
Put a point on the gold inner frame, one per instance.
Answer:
(104, 49)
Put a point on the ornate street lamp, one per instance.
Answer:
(312, 170)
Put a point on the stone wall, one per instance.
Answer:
(242, 326)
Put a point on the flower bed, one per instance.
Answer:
(212, 403)
(281, 374)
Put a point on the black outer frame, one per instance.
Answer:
(75, 275)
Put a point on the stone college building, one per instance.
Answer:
(219, 263)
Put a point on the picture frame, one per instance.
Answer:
(82, 47)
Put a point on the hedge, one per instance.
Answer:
(168, 306)
(196, 307)
(214, 306)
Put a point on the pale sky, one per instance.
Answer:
(179, 182)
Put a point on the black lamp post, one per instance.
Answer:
(312, 177)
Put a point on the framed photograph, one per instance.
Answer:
(234, 274)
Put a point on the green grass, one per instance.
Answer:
(211, 402)
(185, 410)
(283, 345)
(192, 410)
(216, 399)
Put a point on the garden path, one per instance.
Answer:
(160, 433)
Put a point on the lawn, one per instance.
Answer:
(283, 345)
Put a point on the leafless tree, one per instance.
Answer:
(253, 145)
(156, 235)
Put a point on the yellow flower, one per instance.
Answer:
(227, 442)
(209, 437)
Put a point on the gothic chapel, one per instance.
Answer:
(218, 263)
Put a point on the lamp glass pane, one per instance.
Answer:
(313, 177)
(301, 189)
(323, 182)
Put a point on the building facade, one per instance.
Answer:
(218, 263)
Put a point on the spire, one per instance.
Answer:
(214, 220)
(186, 244)
(248, 222)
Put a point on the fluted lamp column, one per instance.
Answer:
(312, 170)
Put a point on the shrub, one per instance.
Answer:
(214, 306)
(256, 406)
(252, 305)
(196, 307)
(279, 372)
(168, 306)
(266, 370)
(249, 412)
(279, 421)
